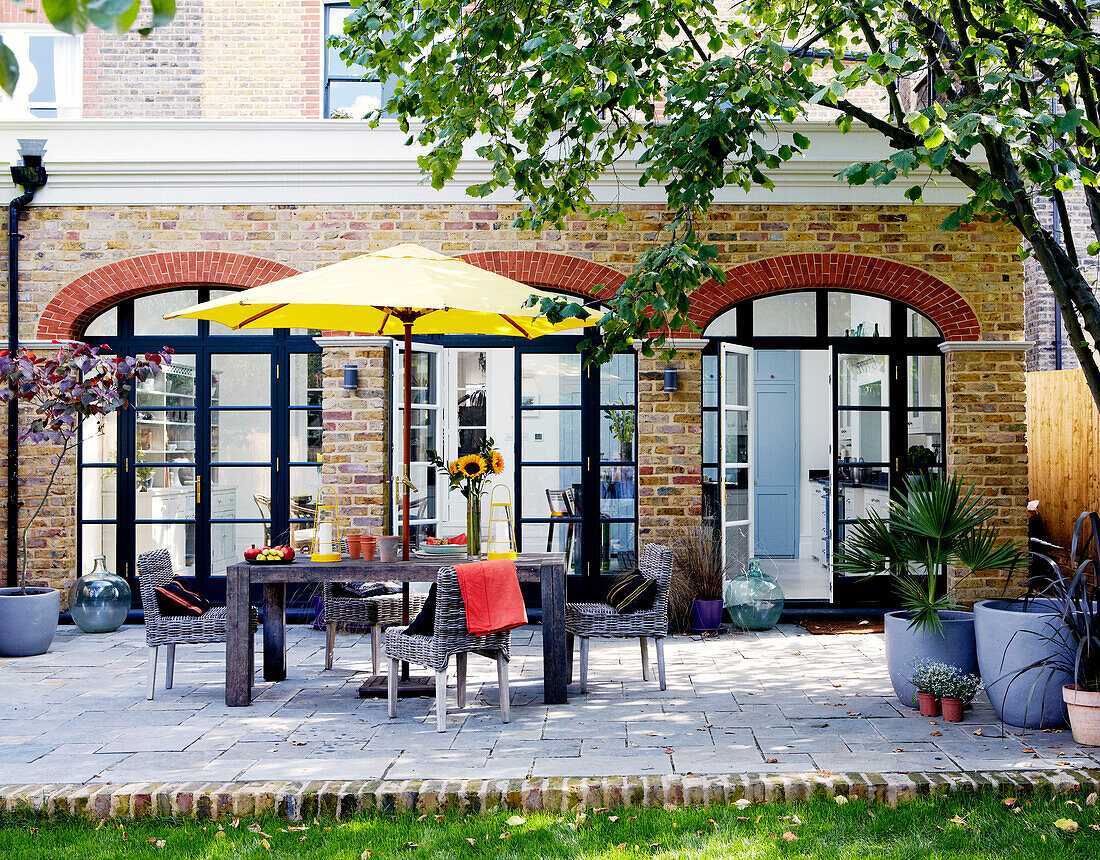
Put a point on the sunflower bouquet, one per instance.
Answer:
(469, 474)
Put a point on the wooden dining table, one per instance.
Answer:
(548, 569)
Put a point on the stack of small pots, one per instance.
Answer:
(362, 546)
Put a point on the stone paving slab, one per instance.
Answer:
(777, 702)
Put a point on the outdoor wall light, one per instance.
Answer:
(351, 377)
(672, 381)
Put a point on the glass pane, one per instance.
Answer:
(99, 439)
(857, 315)
(164, 436)
(149, 313)
(220, 330)
(228, 541)
(550, 380)
(305, 481)
(98, 493)
(470, 441)
(737, 436)
(710, 436)
(925, 375)
(857, 502)
(174, 388)
(40, 51)
(863, 437)
(924, 439)
(617, 436)
(423, 378)
(723, 325)
(240, 380)
(305, 435)
(552, 537)
(737, 549)
(538, 479)
(551, 435)
(864, 380)
(177, 538)
(737, 495)
(158, 502)
(788, 314)
(240, 493)
(98, 539)
(422, 500)
(240, 436)
(355, 99)
(617, 492)
(617, 381)
(918, 325)
(710, 381)
(423, 434)
(617, 547)
(471, 398)
(735, 379)
(104, 325)
(335, 19)
(306, 379)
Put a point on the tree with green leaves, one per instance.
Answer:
(1002, 95)
(76, 16)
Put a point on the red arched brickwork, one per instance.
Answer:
(75, 305)
(547, 270)
(920, 290)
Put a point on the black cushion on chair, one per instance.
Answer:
(181, 597)
(364, 589)
(424, 623)
(632, 592)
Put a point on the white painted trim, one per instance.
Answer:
(985, 345)
(51, 344)
(352, 341)
(270, 162)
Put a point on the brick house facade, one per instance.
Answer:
(160, 187)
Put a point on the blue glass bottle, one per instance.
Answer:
(753, 599)
(99, 601)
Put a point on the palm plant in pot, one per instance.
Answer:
(61, 388)
(939, 523)
(697, 577)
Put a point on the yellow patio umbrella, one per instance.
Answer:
(405, 289)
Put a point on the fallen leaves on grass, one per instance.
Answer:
(959, 820)
(1009, 801)
(789, 837)
(516, 821)
(1066, 824)
(841, 799)
(1091, 799)
(742, 803)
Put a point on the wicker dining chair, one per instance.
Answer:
(450, 637)
(587, 620)
(378, 612)
(154, 569)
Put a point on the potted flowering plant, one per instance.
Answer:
(469, 474)
(63, 387)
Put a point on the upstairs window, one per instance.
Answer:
(50, 73)
(347, 94)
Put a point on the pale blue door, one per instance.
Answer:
(775, 461)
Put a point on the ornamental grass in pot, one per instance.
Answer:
(695, 594)
(939, 523)
(61, 388)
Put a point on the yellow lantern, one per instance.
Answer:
(502, 533)
(326, 527)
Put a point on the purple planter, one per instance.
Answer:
(706, 616)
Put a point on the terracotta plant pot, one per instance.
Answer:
(952, 710)
(355, 546)
(929, 705)
(369, 545)
(387, 547)
(1084, 714)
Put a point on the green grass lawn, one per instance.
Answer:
(979, 826)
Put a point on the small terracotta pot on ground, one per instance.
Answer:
(369, 545)
(929, 705)
(952, 710)
(1084, 714)
(355, 546)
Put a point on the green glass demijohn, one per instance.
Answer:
(99, 601)
(753, 599)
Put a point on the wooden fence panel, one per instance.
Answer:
(1063, 445)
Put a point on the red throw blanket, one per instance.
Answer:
(490, 590)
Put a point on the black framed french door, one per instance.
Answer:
(221, 450)
(576, 438)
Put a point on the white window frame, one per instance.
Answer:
(69, 81)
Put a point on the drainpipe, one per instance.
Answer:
(30, 175)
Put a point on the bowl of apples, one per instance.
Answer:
(269, 554)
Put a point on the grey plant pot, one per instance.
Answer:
(28, 621)
(905, 647)
(1009, 639)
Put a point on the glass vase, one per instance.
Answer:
(99, 601)
(473, 526)
(753, 599)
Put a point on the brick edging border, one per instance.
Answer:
(302, 800)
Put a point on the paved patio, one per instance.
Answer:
(781, 701)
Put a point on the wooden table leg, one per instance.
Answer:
(555, 690)
(238, 689)
(275, 631)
